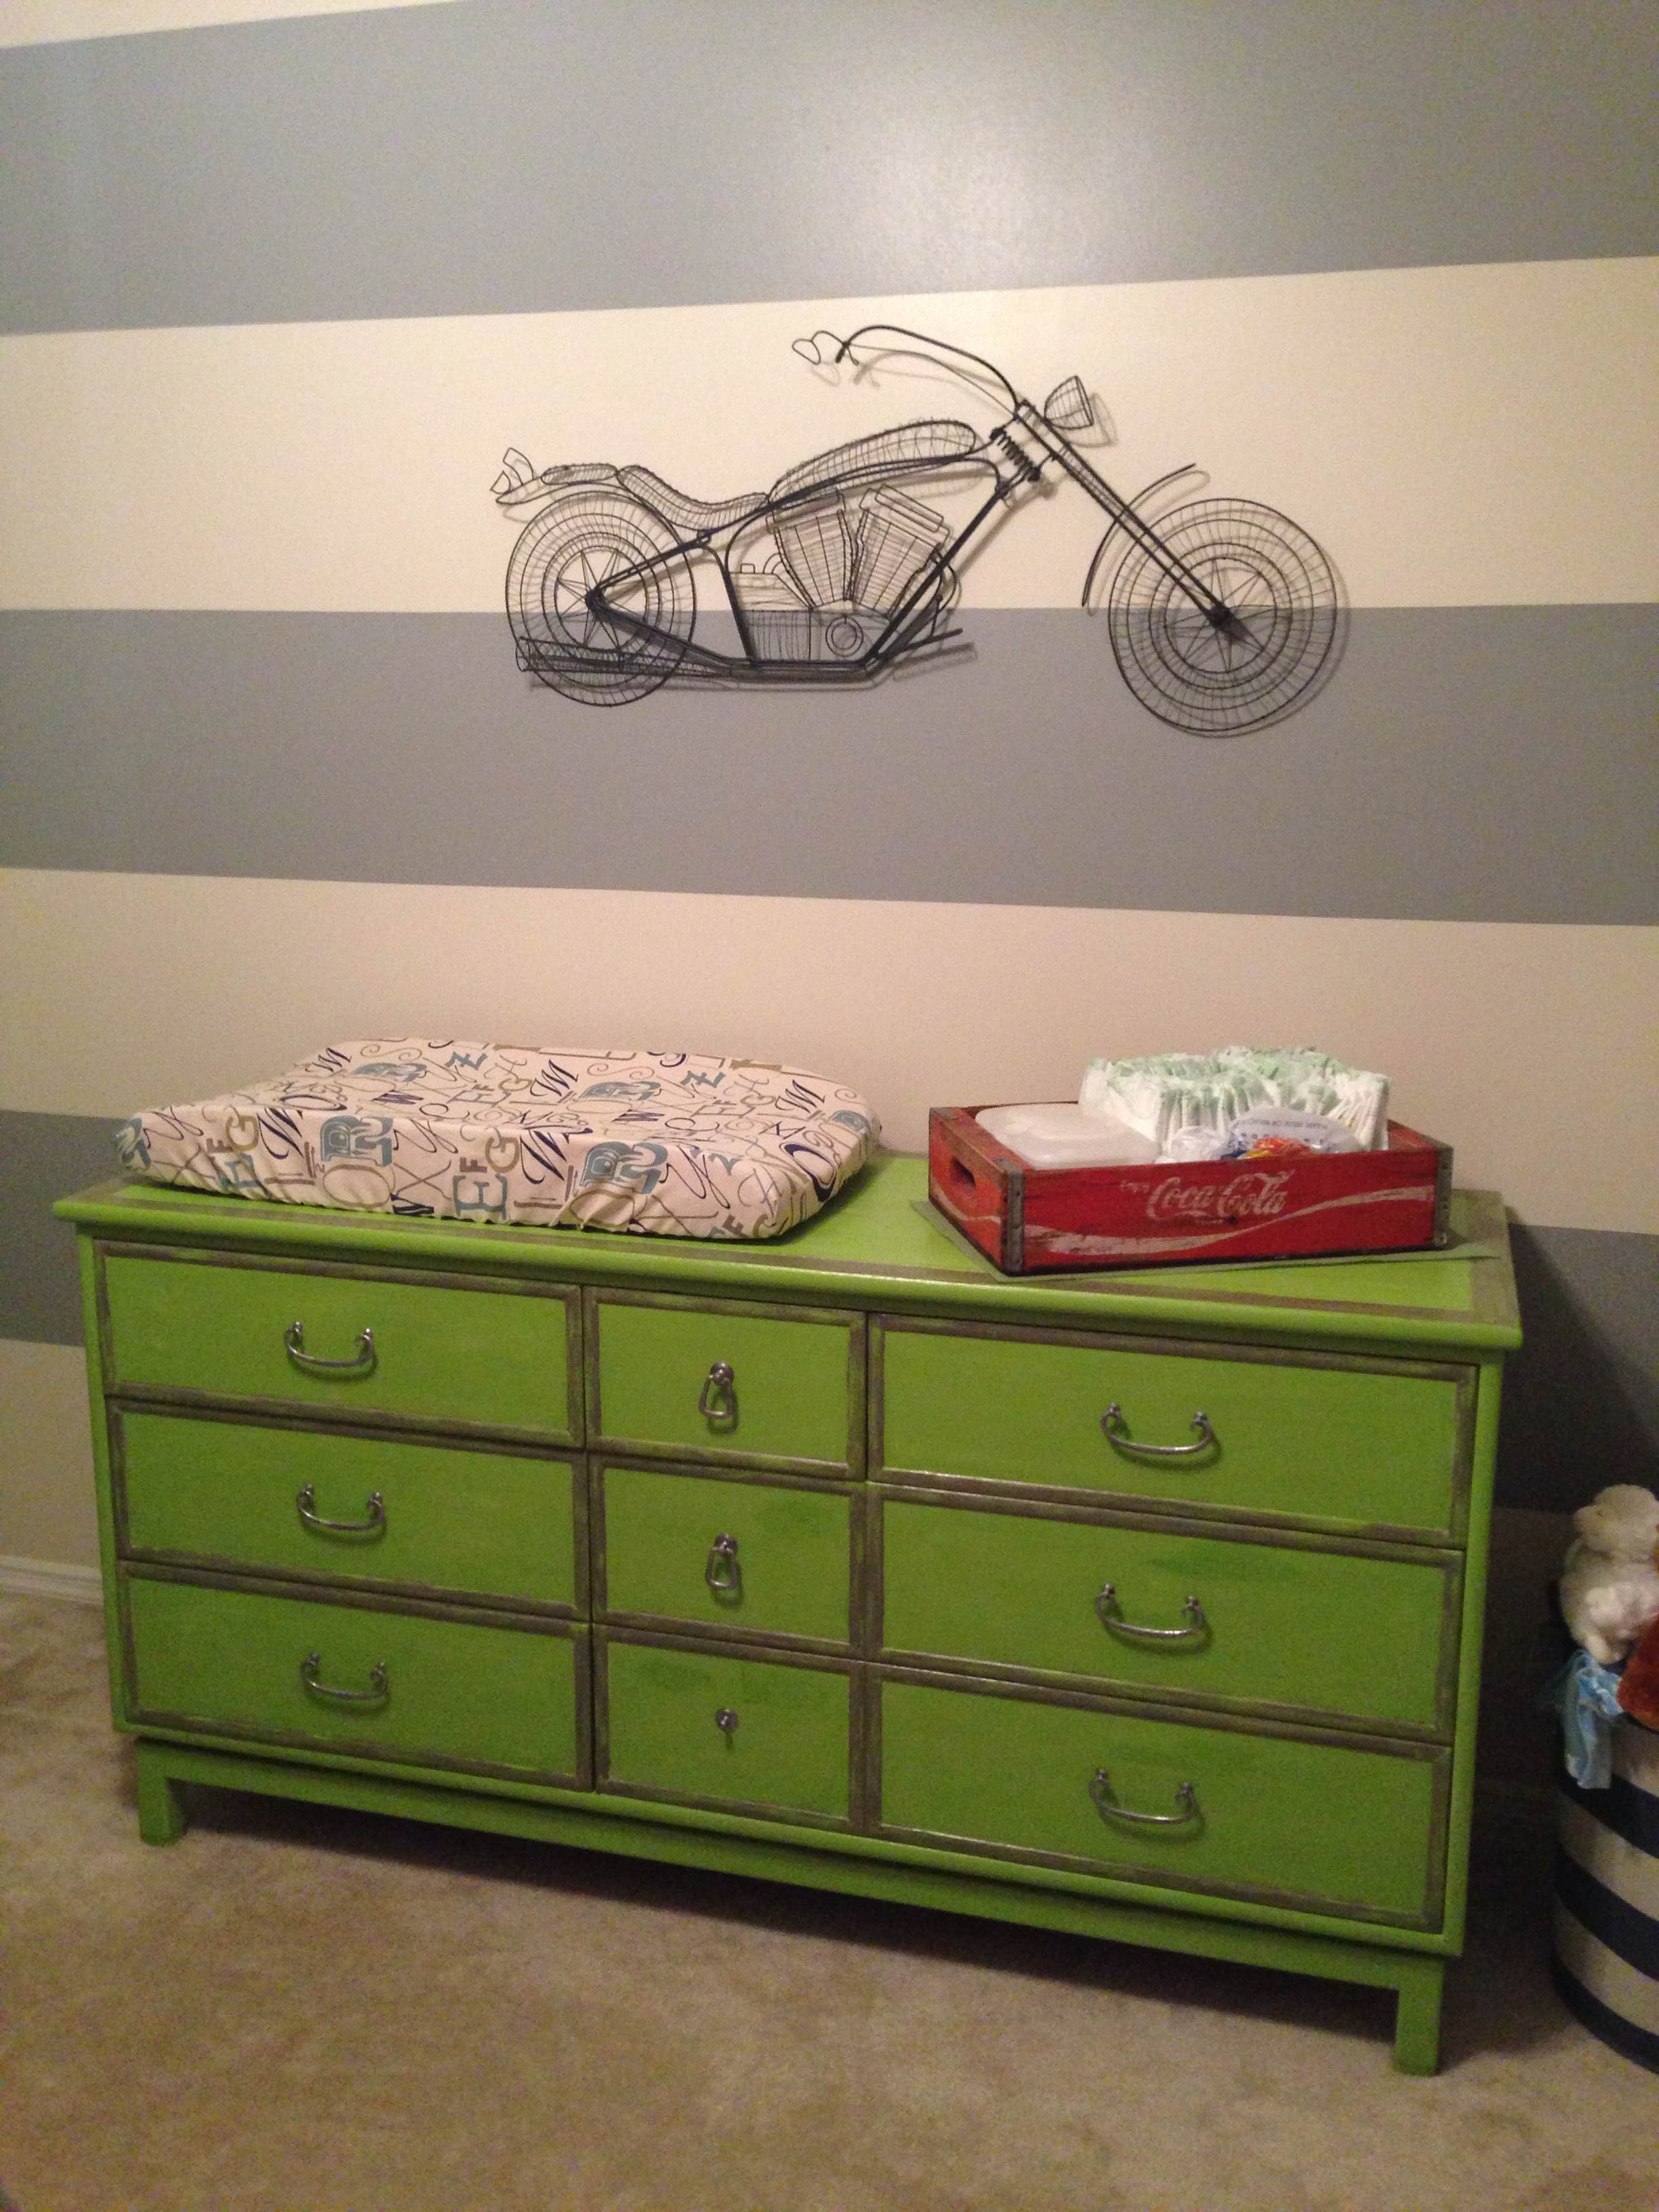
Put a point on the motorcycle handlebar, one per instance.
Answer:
(812, 350)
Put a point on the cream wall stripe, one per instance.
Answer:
(1454, 436)
(50, 22)
(46, 1511)
(126, 991)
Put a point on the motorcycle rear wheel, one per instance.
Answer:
(1214, 676)
(604, 655)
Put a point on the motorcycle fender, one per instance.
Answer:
(550, 483)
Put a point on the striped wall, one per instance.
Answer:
(280, 283)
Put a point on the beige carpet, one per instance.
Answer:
(304, 2011)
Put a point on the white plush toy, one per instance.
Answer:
(1610, 1579)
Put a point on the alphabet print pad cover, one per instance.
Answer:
(668, 1143)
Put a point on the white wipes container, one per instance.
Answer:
(1066, 1136)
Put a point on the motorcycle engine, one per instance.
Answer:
(839, 569)
(897, 537)
(854, 567)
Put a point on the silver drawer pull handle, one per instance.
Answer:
(376, 1694)
(1194, 1628)
(725, 1721)
(362, 1362)
(723, 1574)
(718, 1399)
(374, 1526)
(1186, 1798)
(1117, 1428)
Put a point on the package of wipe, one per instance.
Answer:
(1170, 1094)
(1066, 1136)
(1284, 1128)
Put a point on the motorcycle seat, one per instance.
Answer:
(684, 513)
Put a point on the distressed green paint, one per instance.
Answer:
(493, 1695)
(792, 1561)
(1358, 1638)
(1346, 1825)
(791, 1386)
(787, 1748)
(109, 1547)
(226, 1491)
(496, 1358)
(1036, 1897)
(1468, 1673)
(876, 1245)
(1333, 1443)
(1302, 1843)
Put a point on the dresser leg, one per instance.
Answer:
(1417, 2022)
(161, 1809)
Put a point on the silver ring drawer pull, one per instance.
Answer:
(1117, 1428)
(718, 1399)
(723, 1574)
(1186, 1800)
(1195, 1628)
(361, 1361)
(378, 1691)
(727, 1721)
(307, 1502)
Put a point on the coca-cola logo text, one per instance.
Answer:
(1250, 1197)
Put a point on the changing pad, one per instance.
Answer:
(671, 1144)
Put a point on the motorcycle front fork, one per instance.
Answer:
(1053, 448)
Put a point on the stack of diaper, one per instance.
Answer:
(1241, 1101)
(1244, 1101)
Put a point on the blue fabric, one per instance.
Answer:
(1586, 1697)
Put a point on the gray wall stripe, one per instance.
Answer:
(1478, 764)
(520, 154)
(42, 1157)
(1581, 1404)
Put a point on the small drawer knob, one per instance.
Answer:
(718, 1399)
(722, 1574)
(726, 1722)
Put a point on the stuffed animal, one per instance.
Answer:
(1610, 1578)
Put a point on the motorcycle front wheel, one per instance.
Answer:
(607, 651)
(1259, 640)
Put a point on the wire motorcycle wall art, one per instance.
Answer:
(1223, 615)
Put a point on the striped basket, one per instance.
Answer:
(1607, 1899)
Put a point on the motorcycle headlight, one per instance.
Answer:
(1068, 406)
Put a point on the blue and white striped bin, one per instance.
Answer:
(1607, 1899)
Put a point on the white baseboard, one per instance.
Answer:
(50, 1578)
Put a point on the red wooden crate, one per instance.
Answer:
(1028, 1218)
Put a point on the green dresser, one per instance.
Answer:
(1143, 1605)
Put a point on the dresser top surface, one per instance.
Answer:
(880, 1243)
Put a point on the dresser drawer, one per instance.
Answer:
(491, 1356)
(1276, 1625)
(303, 1503)
(757, 1556)
(479, 1696)
(1350, 1445)
(1331, 1827)
(762, 1736)
(730, 1381)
